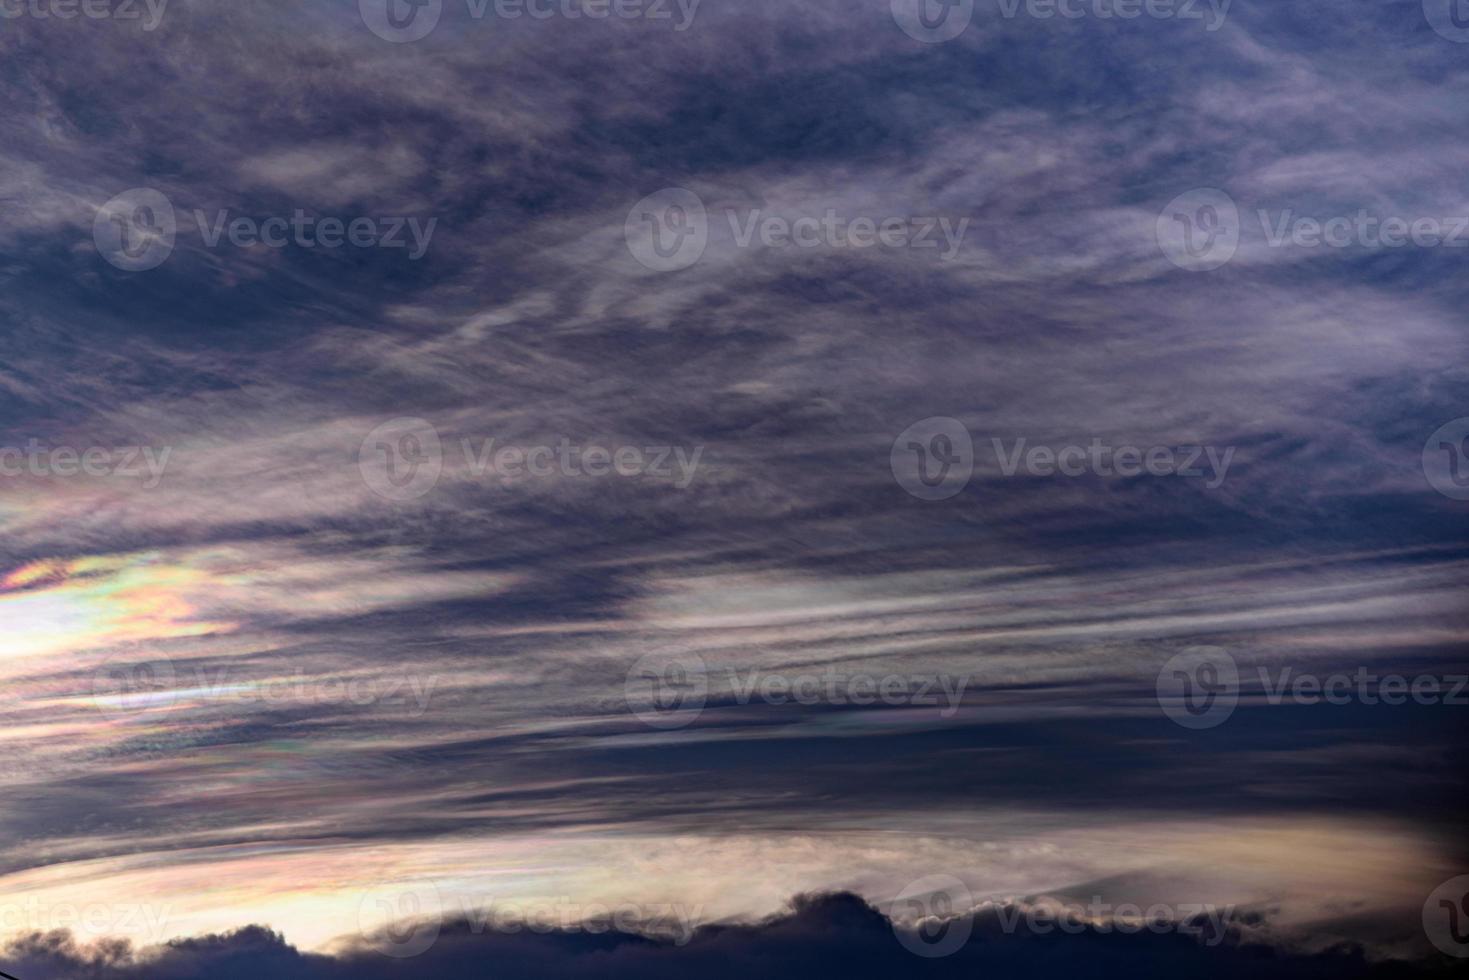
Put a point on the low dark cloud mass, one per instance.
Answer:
(836, 935)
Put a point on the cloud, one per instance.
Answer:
(832, 934)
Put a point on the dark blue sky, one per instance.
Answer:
(443, 392)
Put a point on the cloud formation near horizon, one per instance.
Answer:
(827, 935)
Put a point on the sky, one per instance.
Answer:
(799, 480)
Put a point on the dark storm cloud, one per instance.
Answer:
(825, 935)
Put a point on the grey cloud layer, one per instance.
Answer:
(528, 321)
